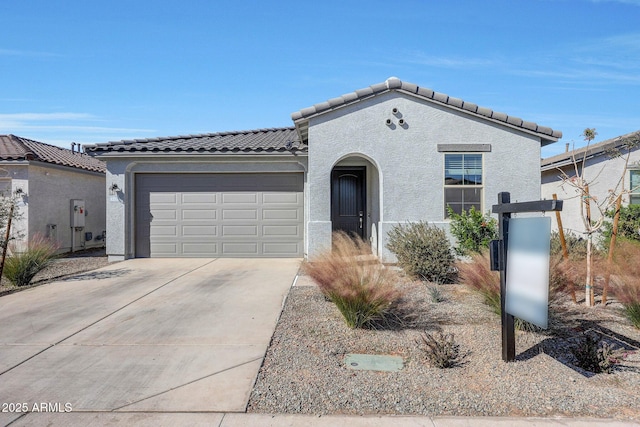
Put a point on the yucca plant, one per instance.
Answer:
(21, 267)
(362, 289)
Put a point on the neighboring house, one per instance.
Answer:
(602, 168)
(47, 179)
(362, 162)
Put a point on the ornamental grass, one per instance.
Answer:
(362, 289)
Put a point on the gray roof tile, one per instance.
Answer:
(17, 148)
(393, 83)
(252, 141)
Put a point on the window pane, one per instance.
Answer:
(472, 195)
(452, 195)
(635, 181)
(476, 206)
(457, 208)
(453, 172)
(634, 199)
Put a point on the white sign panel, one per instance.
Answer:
(527, 295)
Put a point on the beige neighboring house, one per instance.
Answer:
(55, 187)
(602, 170)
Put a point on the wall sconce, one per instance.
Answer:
(114, 189)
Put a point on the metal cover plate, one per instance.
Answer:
(370, 362)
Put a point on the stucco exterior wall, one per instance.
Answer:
(48, 191)
(410, 170)
(603, 173)
(122, 171)
(51, 190)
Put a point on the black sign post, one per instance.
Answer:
(498, 252)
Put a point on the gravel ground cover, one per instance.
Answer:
(304, 370)
(66, 265)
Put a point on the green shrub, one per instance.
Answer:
(21, 267)
(472, 230)
(362, 290)
(423, 251)
(441, 350)
(628, 224)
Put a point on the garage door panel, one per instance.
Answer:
(203, 231)
(199, 249)
(281, 230)
(194, 214)
(210, 215)
(232, 214)
(282, 214)
(229, 198)
(199, 198)
(240, 249)
(281, 249)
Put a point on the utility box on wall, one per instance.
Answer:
(77, 213)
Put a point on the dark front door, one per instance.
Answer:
(348, 200)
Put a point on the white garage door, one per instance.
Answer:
(219, 215)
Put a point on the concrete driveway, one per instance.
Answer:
(169, 335)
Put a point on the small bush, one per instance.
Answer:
(21, 267)
(362, 290)
(625, 279)
(441, 350)
(594, 355)
(478, 276)
(472, 230)
(628, 224)
(423, 251)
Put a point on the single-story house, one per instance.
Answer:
(603, 165)
(49, 182)
(362, 162)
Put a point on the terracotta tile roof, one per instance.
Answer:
(300, 117)
(279, 140)
(594, 150)
(17, 148)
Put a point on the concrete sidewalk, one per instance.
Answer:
(260, 420)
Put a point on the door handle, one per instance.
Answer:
(360, 223)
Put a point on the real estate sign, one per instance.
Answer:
(527, 287)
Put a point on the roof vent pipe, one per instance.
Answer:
(566, 147)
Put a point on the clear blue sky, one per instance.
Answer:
(97, 71)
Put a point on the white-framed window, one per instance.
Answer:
(462, 182)
(634, 179)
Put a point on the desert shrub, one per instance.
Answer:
(435, 294)
(423, 251)
(594, 355)
(441, 350)
(576, 246)
(362, 290)
(478, 276)
(472, 230)
(625, 279)
(21, 267)
(628, 224)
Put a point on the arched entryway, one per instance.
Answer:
(355, 198)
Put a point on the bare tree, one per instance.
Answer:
(602, 203)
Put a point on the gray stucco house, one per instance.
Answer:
(362, 162)
(601, 168)
(49, 180)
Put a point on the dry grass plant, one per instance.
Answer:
(625, 279)
(363, 290)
